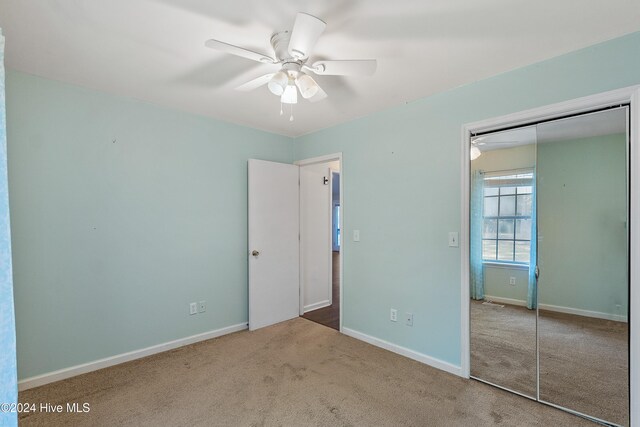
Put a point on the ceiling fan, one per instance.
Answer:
(292, 50)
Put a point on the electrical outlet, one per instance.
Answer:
(356, 235)
(393, 315)
(408, 319)
(193, 308)
(512, 281)
(202, 306)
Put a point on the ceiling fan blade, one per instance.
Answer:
(304, 35)
(239, 51)
(353, 67)
(255, 83)
(319, 96)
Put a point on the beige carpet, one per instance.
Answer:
(296, 373)
(503, 346)
(583, 361)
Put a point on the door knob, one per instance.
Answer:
(255, 253)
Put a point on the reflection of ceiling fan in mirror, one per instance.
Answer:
(292, 51)
(498, 140)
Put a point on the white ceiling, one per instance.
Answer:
(608, 122)
(153, 49)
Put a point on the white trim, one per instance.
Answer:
(626, 95)
(501, 300)
(574, 106)
(559, 309)
(581, 312)
(465, 338)
(72, 371)
(320, 159)
(403, 351)
(634, 240)
(323, 159)
(317, 305)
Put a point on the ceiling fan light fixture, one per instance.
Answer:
(308, 87)
(290, 95)
(278, 83)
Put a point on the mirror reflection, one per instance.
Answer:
(548, 266)
(583, 260)
(503, 317)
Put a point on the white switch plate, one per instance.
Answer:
(408, 317)
(193, 308)
(202, 306)
(453, 239)
(393, 315)
(512, 281)
(356, 235)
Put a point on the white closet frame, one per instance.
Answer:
(629, 95)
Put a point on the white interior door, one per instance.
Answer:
(315, 236)
(274, 288)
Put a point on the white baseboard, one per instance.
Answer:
(317, 305)
(72, 371)
(411, 354)
(560, 309)
(580, 312)
(509, 301)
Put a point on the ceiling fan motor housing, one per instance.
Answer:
(280, 44)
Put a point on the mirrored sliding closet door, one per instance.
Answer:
(549, 263)
(583, 288)
(503, 326)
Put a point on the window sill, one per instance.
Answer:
(510, 266)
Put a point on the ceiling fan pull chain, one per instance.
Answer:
(291, 117)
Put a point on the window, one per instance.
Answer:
(506, 234)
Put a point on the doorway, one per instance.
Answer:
(320, 240)
(295, 262)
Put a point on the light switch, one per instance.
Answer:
(356, 235)
(453, 239)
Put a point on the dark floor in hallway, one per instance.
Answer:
(330, 316)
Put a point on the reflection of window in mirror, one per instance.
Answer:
(506, 231)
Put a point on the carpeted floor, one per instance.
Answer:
(503, 346)
(583, 361)
(296, 373)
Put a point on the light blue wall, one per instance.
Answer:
(113, 239)
(8, 380)
(401, 177)
(122, 214)
(497, 282)
(582, 224)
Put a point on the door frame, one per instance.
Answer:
(629, 95)
(312, 161)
